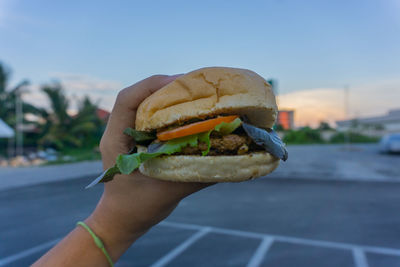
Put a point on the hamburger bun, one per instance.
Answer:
(191, 168)
(209, 91)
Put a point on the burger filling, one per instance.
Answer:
(231, 144)
(223, 135)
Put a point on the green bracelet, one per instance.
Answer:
(97, 241)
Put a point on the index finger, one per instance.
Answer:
(128, 100)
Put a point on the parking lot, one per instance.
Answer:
(279, 223)
(276, 221)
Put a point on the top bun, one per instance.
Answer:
(209, 91)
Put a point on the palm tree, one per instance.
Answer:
(63, 130)
(8, 97)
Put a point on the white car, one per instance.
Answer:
(390, 143)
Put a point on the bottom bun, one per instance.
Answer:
(210, 168)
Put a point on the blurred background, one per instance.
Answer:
(333, 65)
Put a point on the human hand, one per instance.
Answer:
(132, 204)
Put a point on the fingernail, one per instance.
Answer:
(171, 78)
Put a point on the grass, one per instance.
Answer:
(76, 155)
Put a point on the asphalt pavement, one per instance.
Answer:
(355, 162)
(265, 222)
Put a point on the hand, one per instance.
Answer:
(132, 204)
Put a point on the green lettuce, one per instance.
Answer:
(126, 164)
(228, 127)
(140, 136)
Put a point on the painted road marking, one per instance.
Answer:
(260, 253)
(27, 252)
(357, 250)
(359, 258)
(287, 239)
(181, 248)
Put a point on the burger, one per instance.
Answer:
(210, 125)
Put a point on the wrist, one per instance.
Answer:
(114, 234)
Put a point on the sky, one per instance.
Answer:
(312, 48)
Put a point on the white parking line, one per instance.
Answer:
(27, 252)
(186, 226)
(357, 250)
(287, 239)
(182, 247)
(260, 253)
(359, 258)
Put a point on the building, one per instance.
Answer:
(285, 119)
(373, 126)
(5, 130)
(102, 114)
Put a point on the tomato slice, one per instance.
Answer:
(194, 128)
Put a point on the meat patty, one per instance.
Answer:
(231, 144)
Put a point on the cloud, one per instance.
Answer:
(311, 105)
(85, 83)
(328, 104)
(77, 86)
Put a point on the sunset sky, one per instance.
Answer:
(313, 48)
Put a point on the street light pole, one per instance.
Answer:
(19, 138)
(346, 111)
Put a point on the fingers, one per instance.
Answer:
(130, 98)
(124, 111)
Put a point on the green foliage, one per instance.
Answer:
(339, 138)
(279, 128)
(3, 147)
(63, 130)
(324, 126)
(8, 97)
(304, 135)
(56, 127)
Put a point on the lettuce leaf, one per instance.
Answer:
(228, 127)
(140, 136)
(105, 177)
(126, 164)
(205, 138)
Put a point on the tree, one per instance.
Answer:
(63, 130)
(305, 135)
(8, 97)
(279, 128)
(324, 126)
(353, 138)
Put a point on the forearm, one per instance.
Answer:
(79, 249)
(76, 249)
(119, 219)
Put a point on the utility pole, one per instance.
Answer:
(274, 86)
(347, 117)
(19, 137)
